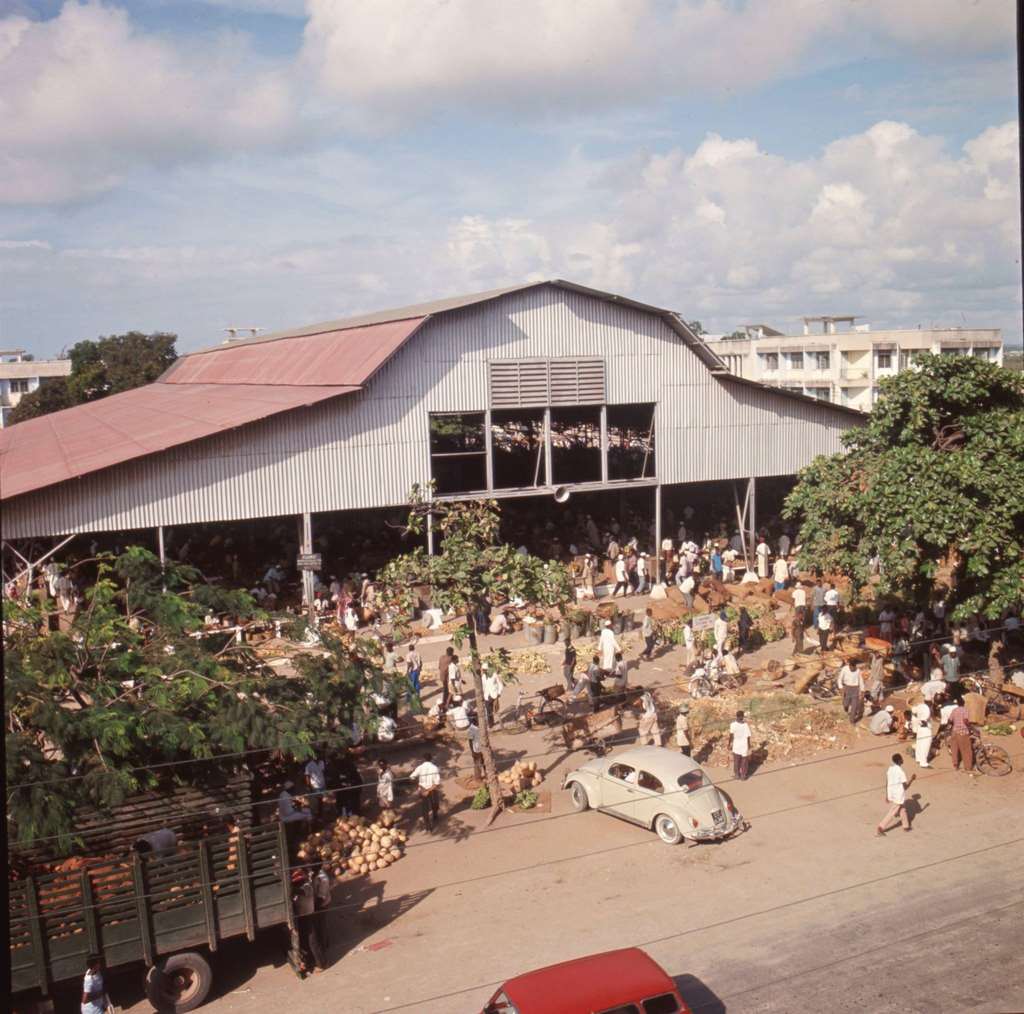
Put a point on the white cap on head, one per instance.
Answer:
(607, 623)
(889, 708)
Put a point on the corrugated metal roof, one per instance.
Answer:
(346, 357)
(786, 393)
(63, 445)
(424, 310)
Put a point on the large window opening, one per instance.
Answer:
(630, 442)
(458, 452)
(517, 441)
(575, 445)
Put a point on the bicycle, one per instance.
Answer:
(525, 713)
(989, 759)
(823, 687)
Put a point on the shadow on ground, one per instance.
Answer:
(699, 997)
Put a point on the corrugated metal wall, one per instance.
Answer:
(367, 449)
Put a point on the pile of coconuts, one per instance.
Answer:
(355, 845)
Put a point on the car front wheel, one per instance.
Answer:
(667, 829)
(578, 796)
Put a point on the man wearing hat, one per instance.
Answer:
(683, 729)
(951, 670)
(882, 721)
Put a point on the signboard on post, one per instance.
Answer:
(705, 622)
(309, 561)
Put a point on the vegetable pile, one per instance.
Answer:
(354, 845)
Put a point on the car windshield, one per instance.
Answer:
(693, 780)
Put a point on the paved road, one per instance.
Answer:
(805, 912)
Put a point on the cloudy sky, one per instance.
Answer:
(187, 165)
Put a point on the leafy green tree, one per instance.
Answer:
(91, 709)
(934, 483)
(470, 565)
(109, 365)
(52, 395)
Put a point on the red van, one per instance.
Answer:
(616, 982)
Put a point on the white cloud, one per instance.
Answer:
(85, 99)
(389, 56)
(753, 237)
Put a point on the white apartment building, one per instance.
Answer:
(840, 361)
(20, 374)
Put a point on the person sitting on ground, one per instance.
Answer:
(934, 688)
(881, 723)
(499, 624)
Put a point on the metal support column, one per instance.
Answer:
(489, 449)
(657, 534)
(430, 534)
(160, 545)
(548, 481)
(604, 443)
(752, 517)
(308, 577)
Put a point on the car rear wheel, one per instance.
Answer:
(578, 796)
(667, 829)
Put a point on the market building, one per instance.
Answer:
(547, 390)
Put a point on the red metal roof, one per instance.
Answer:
(348, 356)
(98, 434)
(594, 983)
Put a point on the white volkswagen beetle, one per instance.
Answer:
(659, 789)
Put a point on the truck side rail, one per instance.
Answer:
(141, 907)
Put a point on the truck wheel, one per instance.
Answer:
(180, 983)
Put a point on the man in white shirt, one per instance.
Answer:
(831, 596)
(648, 729)
(762, 552)
(648, 634)
(688, 641)
(799, 597)
(621, 579)
(935, 686)
(493, 687)
(896, 785)
(740, 733)
(687, 586)
(642, 574)
(881, 721)
(780, 573)
(459, 714)
(607, 646)
(428, 784)
(921, 726)
(824, 628)
(721, 630)
(851, 683)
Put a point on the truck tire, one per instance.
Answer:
(179, 983)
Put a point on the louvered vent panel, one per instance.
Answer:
(555, 382)
(518, 384)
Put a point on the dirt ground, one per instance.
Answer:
(804, 911)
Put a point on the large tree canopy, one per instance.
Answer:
(934, 484)
(91, 710)
(109, 365)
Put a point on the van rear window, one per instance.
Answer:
(665, 1004)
